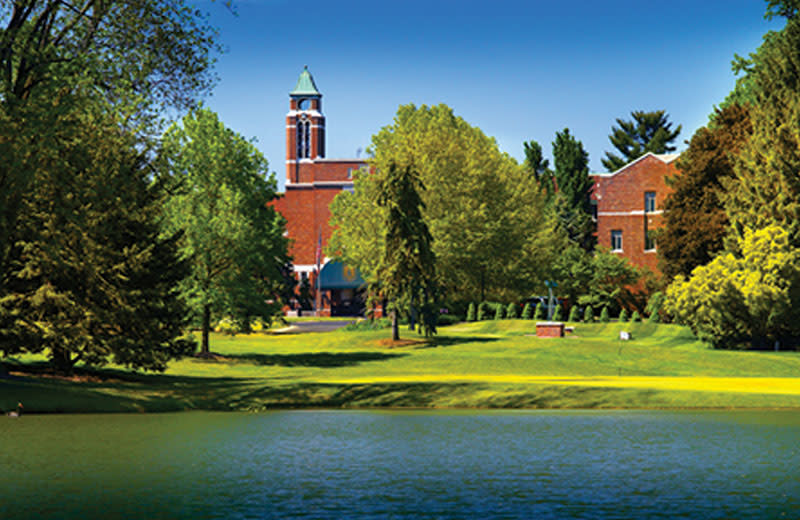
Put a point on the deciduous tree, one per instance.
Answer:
(695, 223)
(232, 239)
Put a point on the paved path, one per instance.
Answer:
(299, 327)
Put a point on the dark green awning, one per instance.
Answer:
(335, 275)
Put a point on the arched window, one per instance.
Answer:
(303, 138)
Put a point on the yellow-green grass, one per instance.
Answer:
(474, 365)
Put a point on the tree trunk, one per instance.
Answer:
(62, 361)
(204, 351)
(395, 330)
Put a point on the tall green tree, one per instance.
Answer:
(90, 278)
(135, 56)
(646, 132)
(539, 167)
(496, 245)
(766, 187)
(232, 239)
(695, 223)
(407, 270)
(573, 207)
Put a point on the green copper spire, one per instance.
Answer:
(305, 85)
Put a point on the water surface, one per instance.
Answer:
(343, 464)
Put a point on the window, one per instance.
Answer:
(594, 210)
(616, 240)
(649, 201)
(303, 138)
(649, 240)
(304, 104)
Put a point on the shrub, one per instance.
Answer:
(574, 314)
(653, 308)
(623, 315)
(539, 313)
(498, 312)
(558, 315)
(604, 315)
(748, 298)
(588, 314)
(471, 312)
(376, 324)
(511, 311)
(527, 313)
(483, 311)
(636, 317)
(447, 319)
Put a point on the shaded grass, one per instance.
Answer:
(493, 364)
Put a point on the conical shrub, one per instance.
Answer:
(574, 314)
(588, 314)
(511, 311)
(471, 312)
(527, 313)
(604, 318)
(623, 315)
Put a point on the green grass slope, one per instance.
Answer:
(473, 365)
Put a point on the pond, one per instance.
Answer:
(397, 464)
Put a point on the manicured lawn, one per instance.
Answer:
(486, 364)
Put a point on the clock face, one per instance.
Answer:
(304, 104)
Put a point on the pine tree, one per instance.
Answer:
(511, 311)
(539, 167)
(471, 312)
(539, 313)
(573, 206)
(498, 311)
(527, 313)
(647, 132)
(574, 314)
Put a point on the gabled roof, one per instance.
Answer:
(664, 157)
(305, 85)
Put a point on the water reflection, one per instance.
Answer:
(326, 464)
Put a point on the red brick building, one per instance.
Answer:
(312, 181)
(629, 203)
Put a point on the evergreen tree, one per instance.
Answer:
(498, 311)
(471, 312)
(573, 206)
(558, 314)
(539, 314)
(407, 271)
(604, 317)
(695, 223)
(574, 314)
(623, 315)
(647, 132)
(90, 278)
(483, 312)
(233, 240)
(636, 317)
(588, 314)
(511, 311)
(539, 167)
(527, 313)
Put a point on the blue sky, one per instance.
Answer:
(518, 70)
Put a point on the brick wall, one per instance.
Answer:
(621, 205)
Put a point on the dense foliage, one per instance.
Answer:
(695, 223)
(647, 132)
(495, 246)
(743, 299)
(233, 240)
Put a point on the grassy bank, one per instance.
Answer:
(476, 365)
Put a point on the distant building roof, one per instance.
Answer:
(305, 85)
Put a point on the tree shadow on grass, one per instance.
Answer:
(451, 341)
(312, 359)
